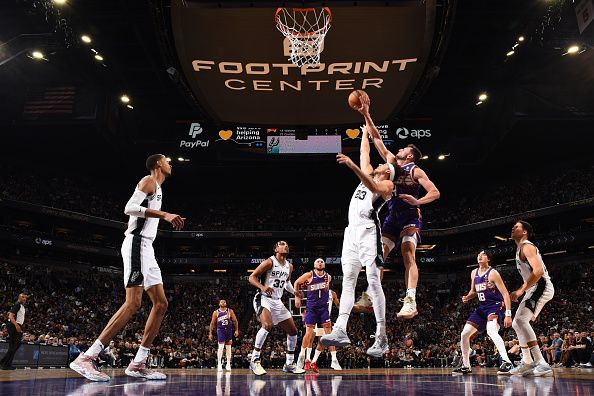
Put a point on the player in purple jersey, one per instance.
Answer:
(319, 300)
(223, 318)
(403, 224)
(486, 284)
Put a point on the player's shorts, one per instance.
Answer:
(277, 309)
(536, 297)
(140, 265)
(225, 336)
(402, 223)
(479, 318)
(362, 244)
(317, 316)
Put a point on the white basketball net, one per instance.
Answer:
(305, 28)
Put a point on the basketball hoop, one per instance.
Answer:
(305, 28)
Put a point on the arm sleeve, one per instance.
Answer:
(15, 308)
(289, 287)
(133, 207)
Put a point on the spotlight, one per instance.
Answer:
(510, 53)
(130, 106)
(125, 99)
(573, 49)
(37, 55)
(521, 38)
(168, 159)
(98, 57)
(482, 97)
(425, 157)
(59, 2)
(442, 156)
(180, 159)
(85, 39)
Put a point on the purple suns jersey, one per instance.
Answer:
(486, 291)
(405, 184)
(318, 291)
(223, 321)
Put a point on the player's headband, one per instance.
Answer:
(392, 171)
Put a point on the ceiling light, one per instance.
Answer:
(98, 57)
(515, 45)
(130, 106)
(573, 49)
(37, 54)
(125, 99)
(500, 238)
(441, 157)
(60, 2)
(482, 97)
(479, 102)
(168, 159)
(510, 53)
(85, 39)
(425, 157)
(180, 159)
(521, 38)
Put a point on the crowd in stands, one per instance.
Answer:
(70, 306)
(240, 213)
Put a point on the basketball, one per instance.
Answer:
(354, 98)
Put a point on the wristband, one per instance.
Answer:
(508, 312)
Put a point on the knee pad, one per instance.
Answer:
(410, 238)
(389, 243)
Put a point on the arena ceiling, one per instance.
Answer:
(537, 95)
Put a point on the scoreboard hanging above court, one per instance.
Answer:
(237, 62)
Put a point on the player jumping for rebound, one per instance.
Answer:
(403, 223)
(318, 304)
(141, 273)
(222, 319)
(486, 284)
(362, 246)
(270, 309)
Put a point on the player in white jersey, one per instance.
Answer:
(362, 246)
(141, 273)
(319, 307)
(270, 309)
(539, 290)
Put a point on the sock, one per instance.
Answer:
(291, 344)
(142, 354)
(220, 354)
(316, 355)
(537, 355)
(260, 338)
(381, 329)
(526, 357)
(302, 354)
(308, 353)
(228, 350)
(255, 355)
(95, 349)
(333, 353)
(411, 292)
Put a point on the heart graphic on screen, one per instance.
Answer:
(225, 134)
(353, 133)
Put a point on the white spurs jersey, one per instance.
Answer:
(524, 267)
(276, 278)
(365, 206)
(146, 227)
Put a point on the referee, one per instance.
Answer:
(16, 317)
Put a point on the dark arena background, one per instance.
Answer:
(497, 95)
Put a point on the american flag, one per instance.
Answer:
(49, 101)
